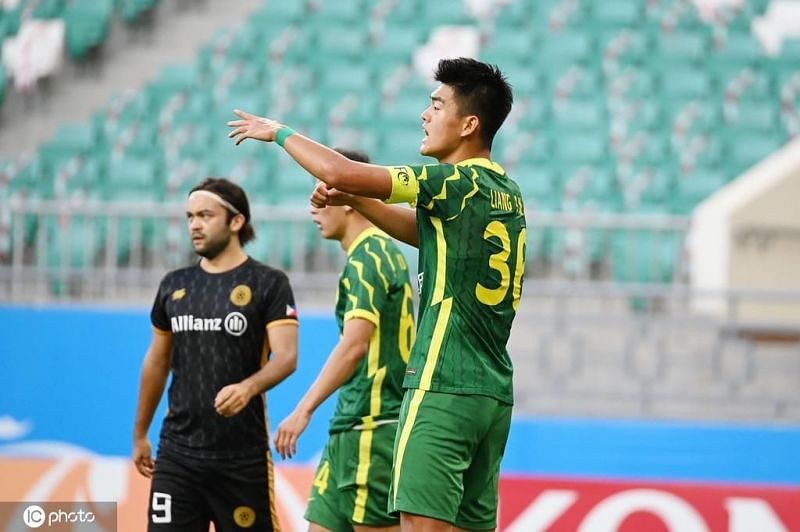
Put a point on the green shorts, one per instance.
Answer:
(447, 457)
(351, 485)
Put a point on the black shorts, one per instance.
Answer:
(186, 494)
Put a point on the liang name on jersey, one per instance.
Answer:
(234, 323)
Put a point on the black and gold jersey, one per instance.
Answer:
(218, 323)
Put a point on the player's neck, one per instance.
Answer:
(466, 151)
(354, 228)
(229, 259)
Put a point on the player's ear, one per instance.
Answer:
(469, 125)
(237, 222)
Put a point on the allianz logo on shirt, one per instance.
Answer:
(234, 323)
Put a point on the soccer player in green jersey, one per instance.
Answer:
(374, 311)
(469, 225)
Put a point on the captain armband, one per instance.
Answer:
(405, 186)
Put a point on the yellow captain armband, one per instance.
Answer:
(404, 185)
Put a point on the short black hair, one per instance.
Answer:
(480, 89)
(354, 155)
(235, 195)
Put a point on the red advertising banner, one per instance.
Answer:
(536, 504)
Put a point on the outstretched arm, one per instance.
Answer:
(329, 166)
(399, 222)
(339, 367)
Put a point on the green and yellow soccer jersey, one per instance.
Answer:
(374, 286)
(471, 226)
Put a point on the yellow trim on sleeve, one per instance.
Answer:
(278, 323)
(405, 186)
(364, 315)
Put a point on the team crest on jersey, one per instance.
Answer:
(178, 294)
(241, 295)
(244, 516)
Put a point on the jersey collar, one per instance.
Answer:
(484, 163)
(363, 235)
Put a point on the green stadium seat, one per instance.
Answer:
(745, 150)
(10, 20)
(644, 256)
(537, 148)
(339, 78)
(525, 80)
(402, 144)
(579, 114)
(341, 11)
(575, 81)
(283, 11)
(536, 113)
(134, 178)
(538, 184)
(618, 13)
(338, 43)
(754, 116)
(633, 83)
(48, 9)
(693, 188)
(508, 47)
(74, 242)
(394, 45)
(683, 46)
(565, 47)
(660, 185)
(741, 49)
(405, 110)
(686, 83)
(132, 10)
(87, 23)
(443, 12)
(581, 148)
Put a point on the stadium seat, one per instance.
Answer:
(753, 116)
(132, 10)
(443, 12)
(643, 256)
(338, 43)
(87, 23)
(683, 46)
(579, 114)
(508, 47)
(618, 13)
(565, 47)
(659, 113)
(686, 83)
(744, 150)
(580, 147)
(48, 9)
(695, 187)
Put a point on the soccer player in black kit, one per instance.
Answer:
(227, 329)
